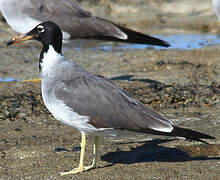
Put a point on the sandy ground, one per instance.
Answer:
(184, 85)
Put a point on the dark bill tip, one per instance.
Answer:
(10, 42)
(20, 38)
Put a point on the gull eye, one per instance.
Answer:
(40, 29)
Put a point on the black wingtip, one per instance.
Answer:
(190, 134)
(164, 43)
(133, 37)
(140, 38)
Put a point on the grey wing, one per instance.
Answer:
(108, 106)
(55, 7)
(72, 19)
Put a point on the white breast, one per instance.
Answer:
(50, 66)
(50, 61)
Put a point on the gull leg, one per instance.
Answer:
(95, 150)
(81, 166)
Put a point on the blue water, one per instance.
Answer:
(8, 80)
(190, 41)
(177, 41)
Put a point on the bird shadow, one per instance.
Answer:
(131, 79)
(151, 151)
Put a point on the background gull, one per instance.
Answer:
(75, 22)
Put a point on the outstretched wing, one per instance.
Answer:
(107, 105)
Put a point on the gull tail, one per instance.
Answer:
(131, 36)
(140, 38)
(189, 134)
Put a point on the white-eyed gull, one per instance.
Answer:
(90, 103)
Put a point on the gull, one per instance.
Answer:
(76, 23)
(90, 103)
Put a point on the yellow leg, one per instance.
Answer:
(32, 80)
(95, 150)
(81, 167)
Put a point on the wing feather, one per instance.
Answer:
(107, 105)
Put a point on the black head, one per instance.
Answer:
(48, 33)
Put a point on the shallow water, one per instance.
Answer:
(190, 41)
(8, 79)
(177, 41)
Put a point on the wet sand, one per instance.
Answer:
(183, 85)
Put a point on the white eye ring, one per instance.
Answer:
(40, 29)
